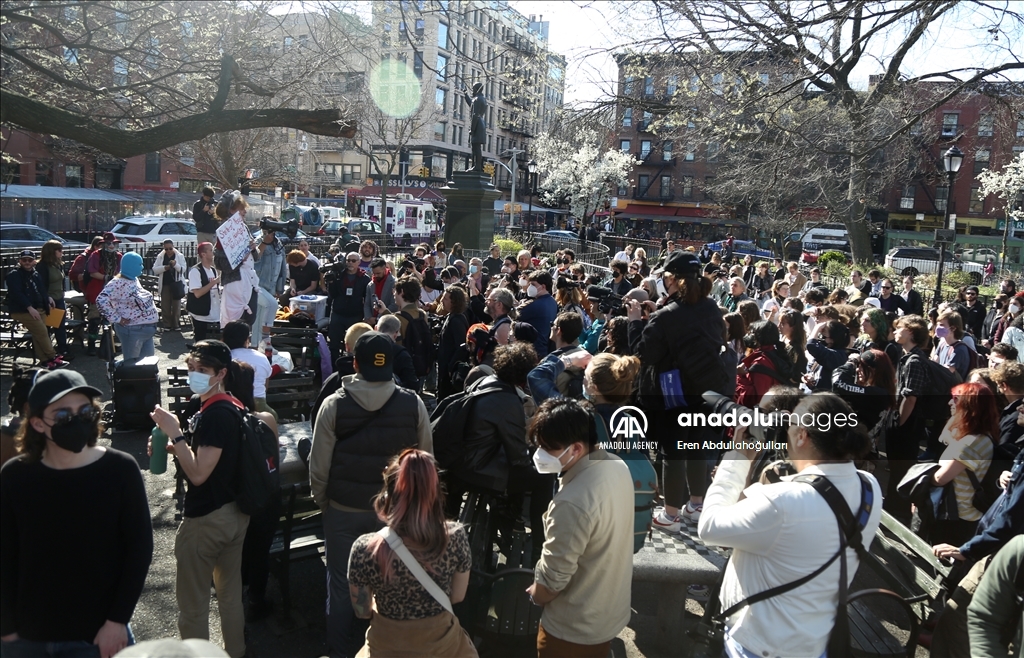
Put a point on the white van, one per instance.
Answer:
(826, 237)
(406, 219)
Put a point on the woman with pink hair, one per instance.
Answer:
(412, 614)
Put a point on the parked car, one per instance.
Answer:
(151, 231)
(981, 255)
(366, 229)
(911, 261)
(331, 227)
(742, 248)
(30, 236)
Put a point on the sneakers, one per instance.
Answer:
(55, 363)
(691, 513)
(699, 593)
(664, 522)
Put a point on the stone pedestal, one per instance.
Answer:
(470, 217)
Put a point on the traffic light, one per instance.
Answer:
(489, 168)
(424, 171)
(287, 195)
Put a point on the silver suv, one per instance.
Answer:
(30, 236)
(923, 260)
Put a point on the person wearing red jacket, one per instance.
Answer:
(763, 367)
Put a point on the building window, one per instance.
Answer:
(627, 117)
(1020, 127)
(645, 149)
(949, 123)
(441, 98)
(666, 151)
(666, 187)
(687, 188)
(648, 86)
(941, 195)
(694, 84)
(713, 152)
(985, 124)
(907, 198)
(70, 55)
(439, 131)
(442, 67)
(977, 202)
(417, 64)
(10, 173)
(709, 182)
(716, 83)
(625, 145)
(628, 89)
(420, 26)
(622, 191)
(73, 176)
(689, 156)
(44, 173)
(981, 157)
(643, 184)
(288, 40)
(672, 84)
(153, 167)
(120, 78)
(442, 36)
(645, 125)
(763, 78)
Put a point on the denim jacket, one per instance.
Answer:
(271, 268)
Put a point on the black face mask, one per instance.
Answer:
(74, 435)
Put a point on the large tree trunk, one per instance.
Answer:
(856, 224)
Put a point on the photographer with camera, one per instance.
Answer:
(202, 215)
(680, 350)
(347, 292)
(783, 536)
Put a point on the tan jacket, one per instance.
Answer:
(588, 553)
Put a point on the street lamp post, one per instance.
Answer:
(951, 159)
(532, 168)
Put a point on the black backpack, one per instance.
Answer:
(448, 428)
(257, 478)
(199, 305)
(938, 392)
(419, 340)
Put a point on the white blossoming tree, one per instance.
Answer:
(1008, 186)
(581, 170)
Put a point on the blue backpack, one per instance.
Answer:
(645, 484)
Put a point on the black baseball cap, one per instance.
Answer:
(27, 253)
(682, 263)
(52, 386)
(374, 353)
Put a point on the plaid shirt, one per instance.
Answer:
(912, 374)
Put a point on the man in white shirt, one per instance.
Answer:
(236, 336)
(204, 294)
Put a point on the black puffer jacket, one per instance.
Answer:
(687, 337)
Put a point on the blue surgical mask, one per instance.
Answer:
(941, 332)
(199, 382)
(587, 395)
(473, 269)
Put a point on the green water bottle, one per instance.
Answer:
(158, 462)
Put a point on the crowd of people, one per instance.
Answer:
(502, 376)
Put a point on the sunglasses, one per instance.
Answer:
(971, 294)
(351, 260)
(886, 287)
(88, 412)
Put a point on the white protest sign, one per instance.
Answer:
(234, 239)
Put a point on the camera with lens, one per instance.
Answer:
(608, 302)
(331, 271)
(565, 283)
(767, 427)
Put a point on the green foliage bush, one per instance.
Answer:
(508, 247)
(833, 263)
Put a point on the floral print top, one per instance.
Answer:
(124, 298)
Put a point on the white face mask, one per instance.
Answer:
(545, 462)
(531, 291)
(523, 283)
(1014, 309)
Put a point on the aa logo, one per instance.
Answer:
(629, 423)
(378, 359)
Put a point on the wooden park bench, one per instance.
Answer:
(914, 588)
(291, 394)
(15, 341)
